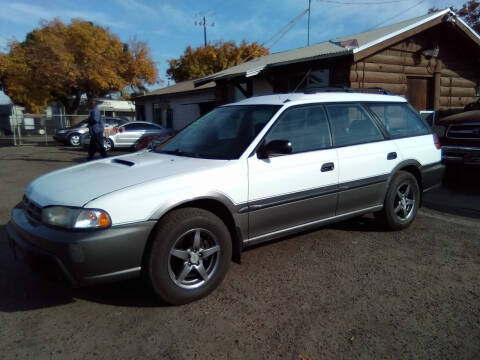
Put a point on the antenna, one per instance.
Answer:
(203, 22)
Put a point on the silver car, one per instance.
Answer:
(127, 135)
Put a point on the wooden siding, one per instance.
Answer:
(454, 74)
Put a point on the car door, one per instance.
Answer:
(366, 157)
(131, 133)
(288, 191)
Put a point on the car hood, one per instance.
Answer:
(77, 185)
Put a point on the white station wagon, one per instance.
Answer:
(245, 173)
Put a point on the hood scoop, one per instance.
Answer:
(123, 162)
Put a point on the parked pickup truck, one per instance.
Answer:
(461, 139)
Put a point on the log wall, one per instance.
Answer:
(454, 74)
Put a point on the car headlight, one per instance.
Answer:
(75, 218)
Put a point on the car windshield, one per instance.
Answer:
(223, 133)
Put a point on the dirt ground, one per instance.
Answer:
(347, 291)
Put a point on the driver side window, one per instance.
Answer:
(306, 128)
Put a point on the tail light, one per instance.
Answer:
(436, 141)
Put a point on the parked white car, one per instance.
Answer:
(127, 135)
(245, 173)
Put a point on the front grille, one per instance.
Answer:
(32, 209)
(464, 131)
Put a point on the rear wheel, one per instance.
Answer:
(74, 139)
(401, 202)
(189, 256)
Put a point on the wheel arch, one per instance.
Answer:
(223, 208)
(413, 167)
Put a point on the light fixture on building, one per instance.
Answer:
(431, 53)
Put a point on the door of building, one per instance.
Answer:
(419, 92)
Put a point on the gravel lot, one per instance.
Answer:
(347, 291)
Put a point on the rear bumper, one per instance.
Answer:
(432, 175)
(82, 257)
(466, 155)
(60, 137)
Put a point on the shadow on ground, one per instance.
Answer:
(22, 289)
(459, 193)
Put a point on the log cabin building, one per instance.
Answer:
(433, 60)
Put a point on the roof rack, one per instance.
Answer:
(376, 90)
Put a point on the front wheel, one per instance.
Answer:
(189, 256)
(74, 139)
(107, 144)
(401, 202)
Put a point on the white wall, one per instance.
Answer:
(185, 106)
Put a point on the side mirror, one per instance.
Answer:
(274, 147)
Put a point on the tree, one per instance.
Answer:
(470, 12)
(59, 62)
(203, 61)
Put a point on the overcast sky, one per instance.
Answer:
(168, 26)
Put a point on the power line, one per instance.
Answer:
(362, 2)
(397, 15)
(281, 33)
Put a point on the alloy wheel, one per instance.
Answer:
(193, 258)
(404, 203)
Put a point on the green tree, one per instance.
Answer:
(59, 62)
(469, 12)
(203, 61)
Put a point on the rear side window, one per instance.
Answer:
(352, 125)
(400, 120)
(306, 128)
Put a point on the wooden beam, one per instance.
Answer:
(400, 89)
(448, 91)
(457, 82)
(456, 101)
(377, 77)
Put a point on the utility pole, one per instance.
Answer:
(204, 32)
(203, 22)
(308, 31)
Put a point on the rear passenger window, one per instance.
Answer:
(306, 128)
(352, 125)
(399, 119)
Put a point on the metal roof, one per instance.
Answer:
(181, 87)
(346, 45)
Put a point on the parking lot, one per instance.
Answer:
(348, 290)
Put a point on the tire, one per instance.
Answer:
(189, 256)
(401, 202)
(107, 144)
(74, 140)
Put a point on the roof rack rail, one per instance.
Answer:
(317, 89)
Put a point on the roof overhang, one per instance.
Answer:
(362, 51)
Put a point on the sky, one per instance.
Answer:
(168, 26)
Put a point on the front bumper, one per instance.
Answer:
(62, 137)
(82, 257)
(467, 155)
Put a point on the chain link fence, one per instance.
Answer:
(27, 129)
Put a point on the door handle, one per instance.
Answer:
(392, 155)
(327, 167)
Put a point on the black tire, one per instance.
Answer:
(74, 139)
(401, 202)
(181, 269)
(107, 144)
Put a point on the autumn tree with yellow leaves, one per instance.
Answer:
(59, 62)
(203, 61)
